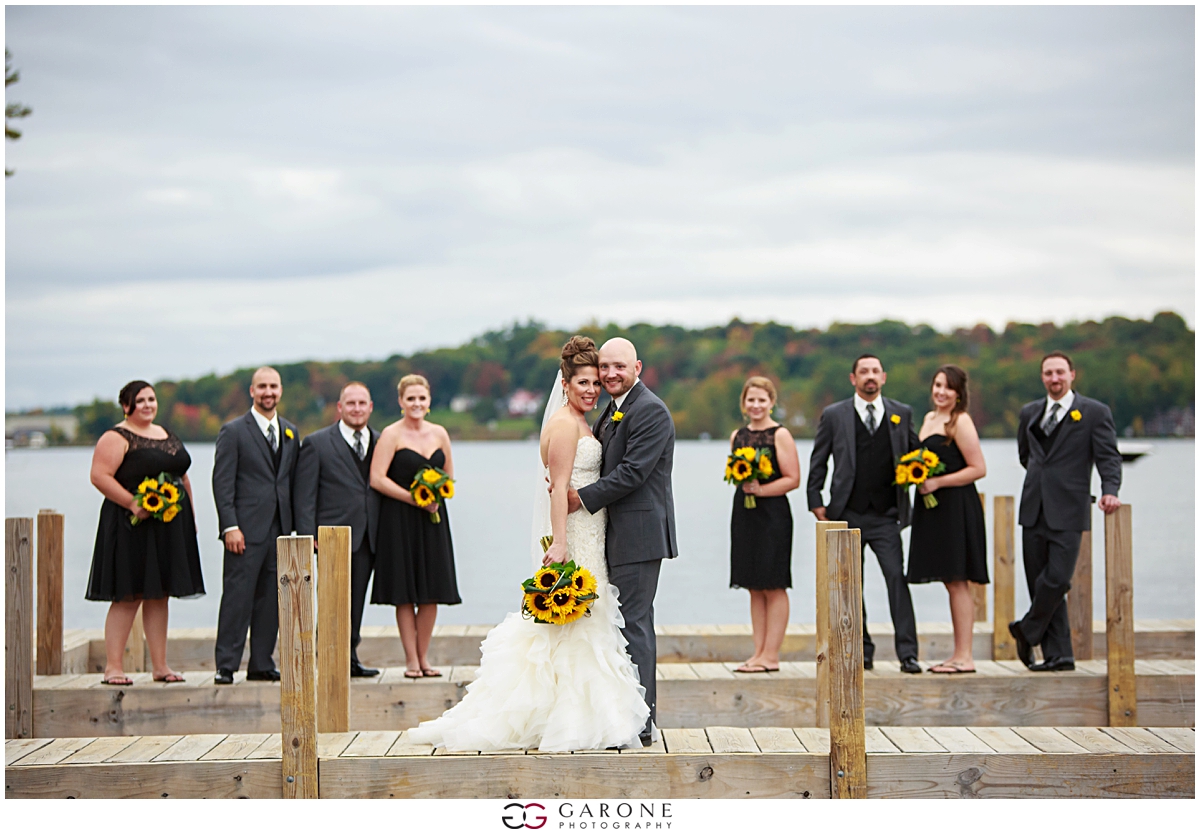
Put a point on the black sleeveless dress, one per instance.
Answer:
(152, 559)
(760, 540)
(949, 542)
(414, 557)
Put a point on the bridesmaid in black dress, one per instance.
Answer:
(949, 541)
(141, 565)
(414, 557)
(760, 550)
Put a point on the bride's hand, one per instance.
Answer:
(557, 552)
(928, 486)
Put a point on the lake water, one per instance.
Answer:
(490, 518)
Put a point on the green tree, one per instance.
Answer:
(13, 110)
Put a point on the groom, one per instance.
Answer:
(638, 440)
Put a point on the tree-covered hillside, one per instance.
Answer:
(1144, 370)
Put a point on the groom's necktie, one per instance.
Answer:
(871, 418)
(271, 438)
(606, 420)
(1051, 418)
(359, 450)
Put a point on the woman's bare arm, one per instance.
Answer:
(967, 439)
(560, 458)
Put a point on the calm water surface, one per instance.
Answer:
(490, 518)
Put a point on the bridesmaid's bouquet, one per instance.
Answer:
(558, 593)
(159, 497)
(748, 464)
(917, 466)
(430, 485)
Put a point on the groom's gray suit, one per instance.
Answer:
(635, 486)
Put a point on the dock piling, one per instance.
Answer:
(847, 703)
(50, 596)
(822, 644)
(333, 629)
(1003, 599)
(1079, 600)
(1118, 591)
(297, 659)
(18, 628)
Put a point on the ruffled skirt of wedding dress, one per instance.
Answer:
(548, 687)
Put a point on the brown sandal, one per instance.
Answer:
(431, 673)
(414, 673)
(117, 680)
(171, 677)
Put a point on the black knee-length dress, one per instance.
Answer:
(949, 541)
(760, 539)
(414, 557)
(152, 559)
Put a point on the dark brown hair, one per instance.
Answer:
(854, 368)
(956, 379)
(1057, 353)
(128, 394)
(578, 352)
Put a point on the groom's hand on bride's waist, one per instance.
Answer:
(573, 502)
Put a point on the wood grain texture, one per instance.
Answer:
(1079, 600)
(847, 701)
(233, 747)
(333, 629)
(18, 628)
(726, 740)
(54, 752)
(1118, 590)
(17, 748)
(298, 667)
(49, 593)
(207, 779)
(821, 646)
(1003, 569)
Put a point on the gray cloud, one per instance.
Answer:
(273, 183)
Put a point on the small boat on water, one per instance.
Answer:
(1133, 450)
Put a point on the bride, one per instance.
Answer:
(555, 688)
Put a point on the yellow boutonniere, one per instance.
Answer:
(1076, 414)
(289, 433)
(617, 416)
(895, 419)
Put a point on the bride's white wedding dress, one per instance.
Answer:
(554, 688)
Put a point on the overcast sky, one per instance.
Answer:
(205, 188)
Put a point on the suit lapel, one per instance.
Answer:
(259, 440)
(1065, 426)
(344, 450)
(851, 442)
(287, 446)
(899, 447)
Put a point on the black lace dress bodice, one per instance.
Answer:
(760, 539)
(152, 559)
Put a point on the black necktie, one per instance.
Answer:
(271, 438)
(359, 450)
(871, 418)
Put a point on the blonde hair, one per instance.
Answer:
(757, 382)
(411, 380)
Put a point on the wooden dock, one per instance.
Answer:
(717, 762)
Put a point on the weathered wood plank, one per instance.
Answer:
(848, 747)
(1182, 739)
(912, 739)
(333, 629)
(232, 748)
(776, 739)
(333, 744)
(145, 750)
(211, 779)
(405, 746)
(18, 628)
(675, 671)
(821, 646)
(54, 752)
(1048, 739)
(816, 739)
(1092, 739)
(1118, 582)
(958, 739)
(17, 748)
(99, 750)
(1003, 597)
(730, 739)
(49, 592)
(298, 694)
(271, 748)
(1003, 739)
(190, 748)
(370, 745)
(1139, 739)
(878, 742)
(685, 740)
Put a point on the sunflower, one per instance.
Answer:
(764, 465)
(152, 502)
(911, 456)
(747, 453)
(538, 606)
(929, 458)
(431, 476)
(447, 489)
(170, 492)
(545, 579)
(917, 472)
(580, 610)
(148, 485)
(902, 475)
(742, 470)
(583, 582)
(422, 495)
(563, 602)
(170, 513)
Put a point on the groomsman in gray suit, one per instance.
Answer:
(252, 485)
(638, 440)
(1059, 438)
(866, 435)
(332, 490)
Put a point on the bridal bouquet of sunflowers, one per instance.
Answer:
(159, 497)
(559, 593)
(915, 467)
(430, 485)
(748, 464)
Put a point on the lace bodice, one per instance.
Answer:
(585, 531)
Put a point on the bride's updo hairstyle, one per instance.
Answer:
(579, 351)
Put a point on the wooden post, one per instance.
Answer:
(333, 629)
(979, 592)
(1118, 592)
(847, 729)
(49, 592)
(822, 644)
(298, 666)
(135, 647)
(1003, 601)
(18, 628)
(1079, 600)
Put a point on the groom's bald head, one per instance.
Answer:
(619, 366)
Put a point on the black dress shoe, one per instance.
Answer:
(646, 739)
(224, 677)
(868, 664)
(909, 665)
(269, 674)
(359, 670)
(1054, 664)
(1024, 649)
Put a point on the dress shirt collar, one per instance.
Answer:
(1066, 402)
(348, 434)
(860, 406)
(620, 399)
(262, 422)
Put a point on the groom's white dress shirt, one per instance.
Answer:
(619, 401)
(1064, 406)
(860, 406)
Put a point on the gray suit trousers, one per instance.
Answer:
(249, 600)
(638, 583)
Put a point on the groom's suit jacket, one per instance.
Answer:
(330, 490)
(249, 485)
(835, 434)
(1058, 481)
(635, 480)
